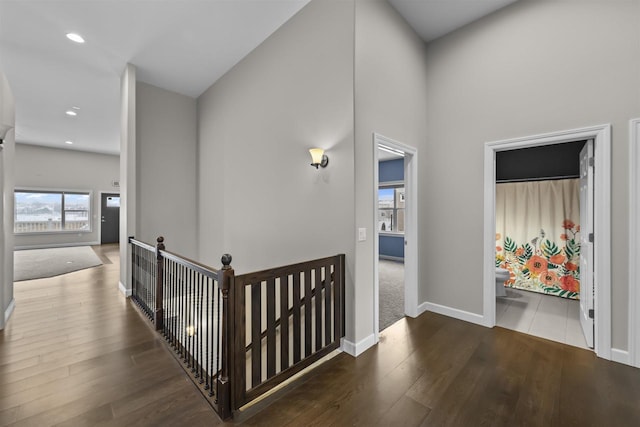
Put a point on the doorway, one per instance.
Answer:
(110, 218)
(391, 227)
(601, 136)
(540, 225)
(400, 211)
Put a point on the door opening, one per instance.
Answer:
(391, 227)
(109, 218)
(396, 230)
(601, 223)
(587, 288)
(542, 274)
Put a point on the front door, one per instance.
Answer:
(586, 242)
(110, 221)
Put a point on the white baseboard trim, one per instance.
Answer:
(356, 349)
(452, 312)
(9, 310)
(422, 308)
(123, 290)
(620, 356)
(55, 245)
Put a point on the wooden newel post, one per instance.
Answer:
(158, 315)
(226, 281)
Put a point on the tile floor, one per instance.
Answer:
(545, 316)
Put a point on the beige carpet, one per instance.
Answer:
(39, 263)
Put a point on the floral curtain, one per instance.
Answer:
(537, 235)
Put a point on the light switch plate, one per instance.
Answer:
(362, 234)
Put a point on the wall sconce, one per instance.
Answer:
(318, 158)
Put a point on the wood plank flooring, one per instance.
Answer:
(76, 353)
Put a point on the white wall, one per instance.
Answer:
(55, 169)
(7, 118)
(533, 67)
(127, 172)
(256, 124)
(390, 99)
(166, 174)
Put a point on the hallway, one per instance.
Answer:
(76, 353)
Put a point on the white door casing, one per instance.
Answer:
(634, 242)
(411, 229)
(601, 134)
(586, 243)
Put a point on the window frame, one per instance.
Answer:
(391, 185)
(62, 193)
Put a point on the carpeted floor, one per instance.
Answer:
(391, 276)
(39, 263)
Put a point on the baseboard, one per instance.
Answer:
(422, 308)
(55, 245)
(620, 356)
(452, 312)
(356, 349)
(9, 311)
(391, 258)
(123, 290)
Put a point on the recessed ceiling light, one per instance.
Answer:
(75, 37)
(71, 113)
(68, 142)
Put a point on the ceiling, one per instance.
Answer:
(180, 45)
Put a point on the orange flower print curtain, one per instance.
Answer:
(537, 235)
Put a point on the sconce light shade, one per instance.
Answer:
(318, 158)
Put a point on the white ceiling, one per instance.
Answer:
(435, 18)
(179, 45)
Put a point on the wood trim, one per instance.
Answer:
(288, 373)
(313, 298)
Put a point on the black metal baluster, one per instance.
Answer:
(174, 293)
(183, 319)
(205, 362)
(191, 323)
(201, 326)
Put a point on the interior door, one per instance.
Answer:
(110, 221)
(586, 242)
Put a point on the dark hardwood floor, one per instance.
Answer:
(76, 353)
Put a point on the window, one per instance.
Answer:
(391, 208)
(113, 202)
(51, 211)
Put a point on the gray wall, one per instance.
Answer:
(531, 68)
(7, 118)
(390, 99)
(256, 124)
(55, 169)
(165, 173)
(294, 92)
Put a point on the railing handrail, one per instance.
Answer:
(179, 259)
(142, 244)
(157, 270)
(189, 263)
(256, 276)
